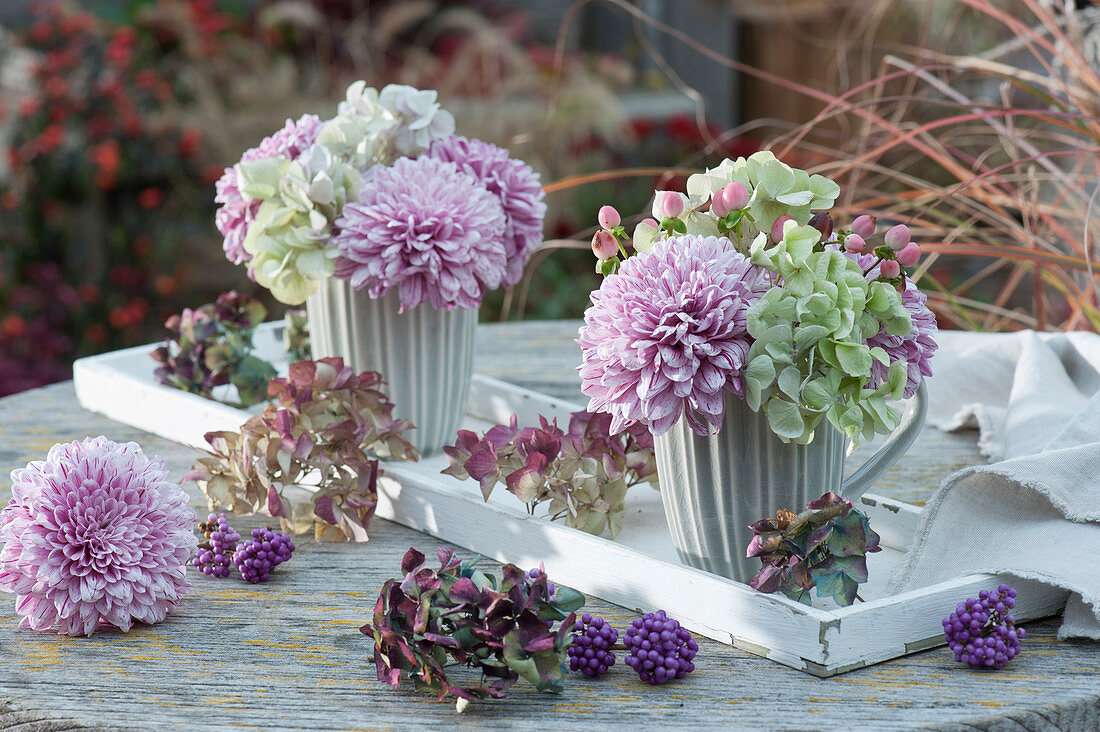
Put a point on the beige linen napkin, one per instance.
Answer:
(1035, 511)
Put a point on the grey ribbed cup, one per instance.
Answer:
(714, 487)
(426, 356)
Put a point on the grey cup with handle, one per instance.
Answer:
(714, 486)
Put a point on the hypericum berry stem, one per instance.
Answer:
(876, 263)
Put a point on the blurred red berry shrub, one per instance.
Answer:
(105, 182)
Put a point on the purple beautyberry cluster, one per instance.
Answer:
(981, 632)
(256, 557)
(216, 550)
(590, 652)
(660, 650)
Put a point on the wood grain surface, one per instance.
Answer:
(287, 654)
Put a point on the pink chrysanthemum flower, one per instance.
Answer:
(235, 214)
(666, 336)
(915, 348)
(427, 228)
(514, 183)
(95, 533)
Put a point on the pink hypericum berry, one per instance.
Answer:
(671, 205)
(910, 255)
(718, 205)
(651, 222)
(736, 196)
(854, 243)
(897, 238)
(864, 226)
(777, 227)
(889, 269)
(609, 218)
(604, 245)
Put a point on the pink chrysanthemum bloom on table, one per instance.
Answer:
(666, 337)
(514, 183)
(427, 228)
(235, 214)
(917, 347)
(95, 533)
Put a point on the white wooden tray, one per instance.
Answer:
(638, 570)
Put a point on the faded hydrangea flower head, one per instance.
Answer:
(290, 240)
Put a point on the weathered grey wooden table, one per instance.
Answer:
(288, 654)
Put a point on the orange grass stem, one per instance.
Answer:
(572, 181)
(1018, 254)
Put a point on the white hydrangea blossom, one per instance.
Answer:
(379, 127)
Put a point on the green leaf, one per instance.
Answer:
(818, 394)
(567, 600)
(854, 358)
(790, 382)
(785, 419)
(807, 335)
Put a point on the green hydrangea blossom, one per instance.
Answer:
(777, 190)
(810, 360)
(290, 240)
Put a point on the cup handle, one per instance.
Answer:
(912, 419)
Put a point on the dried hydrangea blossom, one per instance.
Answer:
(431, 623)
(309, 458)
(583, 473)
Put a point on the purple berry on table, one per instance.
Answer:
(534, 574)
(256, 557)
(981, 633)
(659, 649)
(590, 652)
(216, 550)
